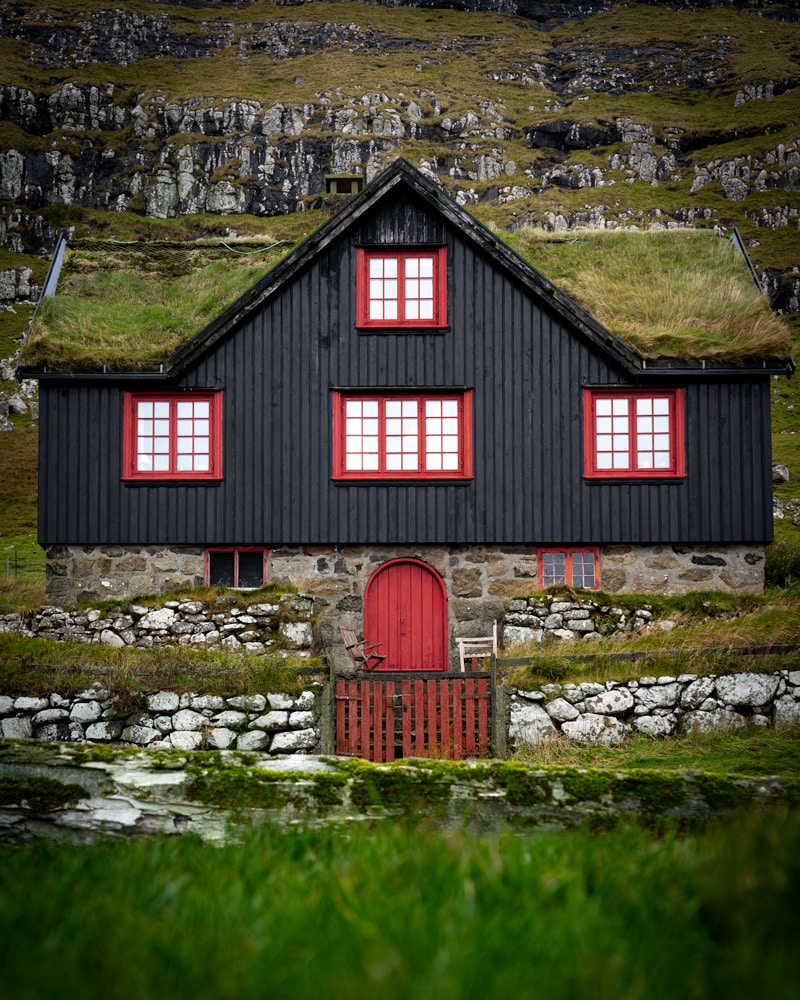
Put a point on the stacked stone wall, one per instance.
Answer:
(607, 714)
(272, 723)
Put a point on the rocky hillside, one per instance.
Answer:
(177, 118)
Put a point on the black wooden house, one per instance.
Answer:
(405, 414)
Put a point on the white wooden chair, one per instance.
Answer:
(477, 647)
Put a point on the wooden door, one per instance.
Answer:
(405, 608)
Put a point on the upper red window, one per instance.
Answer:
(632, 433)
(402, 436)
(401, 288)
(173, 435)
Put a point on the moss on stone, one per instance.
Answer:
(586, 786)
(399, 787)
(719, 792)
(239, 789)
(523, 787)
(655, 791)
(39, 793)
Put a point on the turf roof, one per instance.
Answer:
(678, 294)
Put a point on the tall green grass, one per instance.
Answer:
(408, 913)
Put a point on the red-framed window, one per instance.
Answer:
(402, 435)
(571, 567)
(244, 569)
(401, 288)
(633, 433)
(174, 435)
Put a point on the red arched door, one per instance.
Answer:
(405, 608)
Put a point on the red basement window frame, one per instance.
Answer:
(571, 567)
(172, 436)
(402, 435)
(241, 569)
(633, 434)
(399, 289)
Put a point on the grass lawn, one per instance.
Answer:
(400, 912)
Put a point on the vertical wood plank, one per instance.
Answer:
(433, 727)
(341, 744)
(407, 709)
(483, 717)
(420, 717)
(389, 688)
(458, 718)
(378, 737)
(470, 716)
(366, 719)
(443, 688)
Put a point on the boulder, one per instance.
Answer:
(592, 729)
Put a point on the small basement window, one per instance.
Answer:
(569, 567)
(243, 569)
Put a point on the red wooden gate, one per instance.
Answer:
(382, 718)
(405, 609)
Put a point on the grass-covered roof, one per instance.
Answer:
(680, 294)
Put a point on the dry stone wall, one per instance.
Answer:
(270, 724)
(607, 714)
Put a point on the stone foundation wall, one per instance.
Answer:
(606, 714)
(479, 579)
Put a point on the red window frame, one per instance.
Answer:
(404, 287)
(633, 434)
(386, 434)
(235, 551)
(168, 442)
(570, 565)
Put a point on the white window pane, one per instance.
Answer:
(389, 289)
(201, 463)
(185, 428)
(603, 407)
(621, 442)
(410, 462)
(201, 446)
(144, 463)
(389, 310)
(604, 461)
(426, 289)
(202, 408)
(161, 463)
(645, 459)
(144, 409)
(433, 407)
(185, 463)
(449, 407)
(185, 446)
(390, 267)
(412, 288)
(394, 425)
(352, 407)
(394, 445)
(604, 425)
(426, 267)
(161, 427)
(661, 442)
(620, 461)
(376, 267)
(412, 267)
(425, 309)
(376, 310)
(353, 445)
(433, 425)
(433, 462)
(369, 444)
(409, 407)
(376, 289)
(644, 425)
(434, 443)
(370, 407)
(409, 425)
(620, 425)
(161, 409)
(412, 309)
(370, 462)
(661, 425)
(450, 443)
(185, 409)
(410, 444)
(394, 408)
(450, 426)
(661, 405)
(353, 462)
(202, 427)
(619, 406)
(450, 462)
(370, 426)
(394, 461)
(661, 460)
(144, 446)
(645, 442)
(604, 442)
(352, 426)
(145, 428)
(644, 405)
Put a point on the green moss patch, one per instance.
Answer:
(40, 794)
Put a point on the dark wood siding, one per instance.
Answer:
(526, 367)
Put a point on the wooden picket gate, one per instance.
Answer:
(383, 716)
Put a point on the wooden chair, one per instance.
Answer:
(477, 648)
(361, 652)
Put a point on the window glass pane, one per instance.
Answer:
(144, 463)
(184, 463)
(185, 446)
(389, 309)
(394, 408)
(449, 407)
(394, 426)
(553, 568)
(161, 446)
(201, 409)
(661, 405)
(426, 267)
(370, 407)
(433, 407)
(161, 427)
(412, 267)
(409, 407)
(251, 569)
(144, 409)
(450, 462)
(644, 406)
(619, 406)
(433, 461)
(201, 463)
(412, 309)
(376, 267)
(161, 463)
(370, 463)
(393, 461)
(185, 409)
(221, 569)
(603, 407)
(201, 446)
(604, 460)
(185, 427)
(161, 409)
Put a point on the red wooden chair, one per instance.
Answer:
(361, 652)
